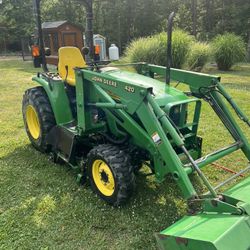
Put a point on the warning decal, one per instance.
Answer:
(156, 138)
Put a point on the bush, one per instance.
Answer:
(198, 56)
(154, 49)
(143, 50)
(181, 44)
(228, 49)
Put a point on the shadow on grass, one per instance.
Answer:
(46, 199)
(41, 206)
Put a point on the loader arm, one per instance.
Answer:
(223, 223)
(209, 88)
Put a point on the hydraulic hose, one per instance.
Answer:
(230, 100)
(115, 141)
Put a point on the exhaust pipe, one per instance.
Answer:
(169, 46)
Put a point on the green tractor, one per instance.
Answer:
(106, 123)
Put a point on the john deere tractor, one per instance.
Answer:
(106, 123)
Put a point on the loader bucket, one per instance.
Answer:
(211, 231)
(241, 191)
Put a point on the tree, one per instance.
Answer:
(13, 16)
(124, 20)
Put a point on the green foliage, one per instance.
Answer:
(146, 50)
(153, 49)
(123, 21)
(140, 18)
(181, 44)
(198, 56)
(228, 49)
(16, 20)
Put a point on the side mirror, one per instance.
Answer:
(85, 51)
(47, 51)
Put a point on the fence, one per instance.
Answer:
(19, 48)
(26, 49)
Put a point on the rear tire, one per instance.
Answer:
(38, 117)
(111, 174)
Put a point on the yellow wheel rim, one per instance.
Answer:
(32, 122)
(103, 177)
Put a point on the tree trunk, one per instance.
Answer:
(248, 47)
(209, 15)
(223, 16)
(194, 17)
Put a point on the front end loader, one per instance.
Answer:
(106, 123)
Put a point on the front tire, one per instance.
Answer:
(38, 117)
(111, 174)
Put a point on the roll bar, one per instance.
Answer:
(88, 31)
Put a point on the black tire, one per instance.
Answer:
(119, 164)
(37, 99)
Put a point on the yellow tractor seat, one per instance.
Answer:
(69, 58)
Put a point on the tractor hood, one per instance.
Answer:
(160, 89)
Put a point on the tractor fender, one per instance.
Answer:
(58, 98)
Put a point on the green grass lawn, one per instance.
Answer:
(42, 206)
